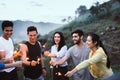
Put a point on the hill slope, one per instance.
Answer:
(108, 30)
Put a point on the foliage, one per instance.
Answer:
(81, 10)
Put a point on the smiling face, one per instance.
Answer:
(32, 36)
(90, 42)
(76, 38)
(57, 38)
(7, 32)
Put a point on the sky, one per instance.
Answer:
(41, 10)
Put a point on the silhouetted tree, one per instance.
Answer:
(106, 6)
(68, 19)
(81, 10)
(94, 10)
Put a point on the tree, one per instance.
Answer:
(94, 10)
(106, 6)
(68, 19)
(63, 20)
(81, 10)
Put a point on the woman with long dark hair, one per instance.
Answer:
(98, 62)
(58, 51)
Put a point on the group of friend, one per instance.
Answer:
(90, 59)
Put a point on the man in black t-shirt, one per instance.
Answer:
(34, 68)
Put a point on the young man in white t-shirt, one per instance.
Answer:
(6, 51)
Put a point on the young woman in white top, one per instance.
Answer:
(58, 50)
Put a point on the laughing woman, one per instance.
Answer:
(98, 62)
(58, 51)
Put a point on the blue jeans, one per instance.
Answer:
(40, 78)
(115, 76)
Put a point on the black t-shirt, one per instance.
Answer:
(34, 52)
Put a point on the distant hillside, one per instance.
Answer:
(20, 28)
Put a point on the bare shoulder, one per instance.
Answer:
(23, 47)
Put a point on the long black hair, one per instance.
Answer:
(62, 40)
(96, 38)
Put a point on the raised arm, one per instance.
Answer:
(95, 59)
(60, 53)
(15, 64)
(61, 61)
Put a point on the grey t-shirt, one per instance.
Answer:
(78, 55)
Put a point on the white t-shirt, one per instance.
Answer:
(8, 48)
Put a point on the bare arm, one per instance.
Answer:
(8, 60)
(24, 49)
(93, 60)
(53, 55)
(15, 64)
(61, 61)
(42, 62)
(43, 66)
(24, 57)
(60, 53)
(70, 73)
(48, 54)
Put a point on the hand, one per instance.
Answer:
(17, 55)
(54, 64)
(2, 55)
(17, 64)
(47, 53)
(11, 60)
(34, 63)
(51, 63)
(69, 74)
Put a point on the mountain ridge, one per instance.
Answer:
(20, 28)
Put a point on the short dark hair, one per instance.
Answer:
(31, 28)
(7, 23)
(79, 32)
